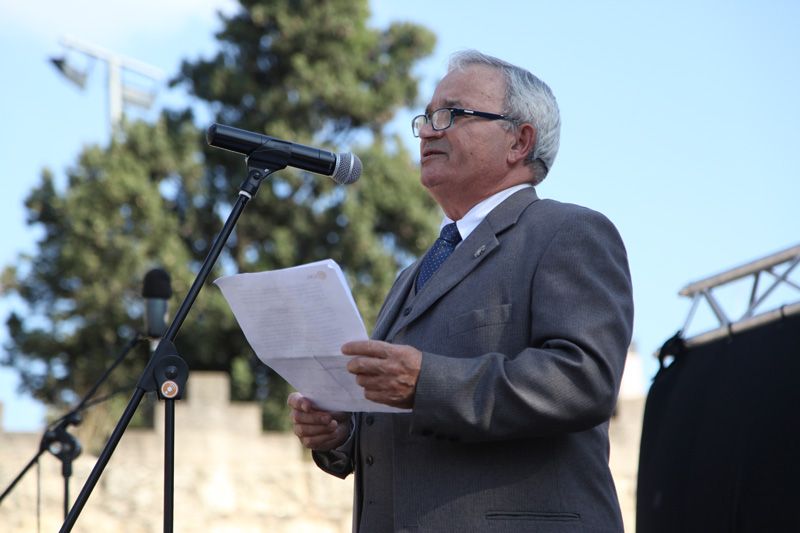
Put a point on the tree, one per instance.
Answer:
(309, 71)
(312, 71)
(99, 236)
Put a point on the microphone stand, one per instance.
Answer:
(58, 441)
(66, 447)
(166, 373)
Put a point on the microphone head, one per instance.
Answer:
(347, 170)
(156, 290)
(157, 285)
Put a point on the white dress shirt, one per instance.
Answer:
(475, 216)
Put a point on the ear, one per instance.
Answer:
(524, 141)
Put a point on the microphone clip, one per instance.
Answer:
(262, 162)
(166, 373)
(271, 157)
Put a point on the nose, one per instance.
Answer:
(427, 131)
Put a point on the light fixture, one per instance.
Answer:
(78, 77)
(120, 92)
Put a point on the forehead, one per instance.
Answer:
(478, 86)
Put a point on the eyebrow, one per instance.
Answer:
(446, 103)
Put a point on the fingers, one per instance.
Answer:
(369, 348)
(374, 383)
(374, 357)
(322, 437)
(366, 366)
(317, 429)
(298, 401)
(388, 373)
(377, 358)
(301, 404)
(318, 418)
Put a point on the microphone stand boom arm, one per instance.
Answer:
(166, 373)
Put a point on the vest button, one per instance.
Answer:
(369, 460)
(370, 420)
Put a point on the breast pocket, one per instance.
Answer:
(479, 318)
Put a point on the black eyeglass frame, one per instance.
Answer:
(454, 112)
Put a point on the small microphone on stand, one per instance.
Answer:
(156, 290)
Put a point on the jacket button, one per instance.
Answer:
(369, 460)
(406, 311)
(370, 420)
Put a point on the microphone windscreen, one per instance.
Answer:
(157, 285)
(348, 169)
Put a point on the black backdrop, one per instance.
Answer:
(720, 447)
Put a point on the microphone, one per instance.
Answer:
(156, 290)
(344, 169)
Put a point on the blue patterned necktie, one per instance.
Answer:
(438, 253)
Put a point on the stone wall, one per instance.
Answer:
(229, 475)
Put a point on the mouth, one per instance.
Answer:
(428, 153)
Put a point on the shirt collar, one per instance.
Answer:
(475, 216)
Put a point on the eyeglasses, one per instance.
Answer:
(442, 118)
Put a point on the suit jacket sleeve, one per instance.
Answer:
(567, 378)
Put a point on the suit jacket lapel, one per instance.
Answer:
(471, 252)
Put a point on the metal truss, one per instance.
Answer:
(766, 276)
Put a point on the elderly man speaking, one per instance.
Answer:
(507, 340)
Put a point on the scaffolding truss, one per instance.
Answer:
(768, 274)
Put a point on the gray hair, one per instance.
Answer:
(527, 100)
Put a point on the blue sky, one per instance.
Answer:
(680, 120)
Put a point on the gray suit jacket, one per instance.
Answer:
(524, 332)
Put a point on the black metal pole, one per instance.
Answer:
(66, 496)
(169, 464)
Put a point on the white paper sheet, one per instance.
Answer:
(296, 319)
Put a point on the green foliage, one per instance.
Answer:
(309, 71)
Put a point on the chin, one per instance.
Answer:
(431, 179)
(436, 188)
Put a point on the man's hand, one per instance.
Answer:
(388, 372)
(317, 430)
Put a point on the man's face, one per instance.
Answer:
(465, 163)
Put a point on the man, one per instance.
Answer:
(509, 351)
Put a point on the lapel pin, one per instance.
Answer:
(479, 251)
